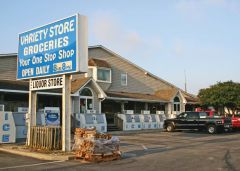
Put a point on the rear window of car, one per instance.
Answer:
(193, 115)
(202, 114)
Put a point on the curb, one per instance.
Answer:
(39, 155)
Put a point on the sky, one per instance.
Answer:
(168, 38)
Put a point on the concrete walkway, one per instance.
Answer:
(22, 150)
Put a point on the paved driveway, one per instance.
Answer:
(152, 151)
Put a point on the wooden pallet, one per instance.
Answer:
(103, 157)
(98, 157)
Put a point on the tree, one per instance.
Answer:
(222, 95)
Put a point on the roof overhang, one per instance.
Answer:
(13, 91)
(136, 100)
(26, 92)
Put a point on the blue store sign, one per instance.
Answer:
(54, 49)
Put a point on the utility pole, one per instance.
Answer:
(185, 84)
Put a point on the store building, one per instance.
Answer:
(112, 85)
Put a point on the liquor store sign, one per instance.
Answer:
(47, 83)
(54, 49)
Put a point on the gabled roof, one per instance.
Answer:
(167, 94)
(145, 71)
(78, 83)
(98, 63)
(101, 63)
(136, 66)
(191, 99)
(133, 96)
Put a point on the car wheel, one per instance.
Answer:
(170, 128)
(212, 129)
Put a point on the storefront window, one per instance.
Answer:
(104, 75)
(86, 100)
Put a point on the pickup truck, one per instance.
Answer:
(198, 120)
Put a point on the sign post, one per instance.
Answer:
(32, 117)
(58, 48)
(66, 114)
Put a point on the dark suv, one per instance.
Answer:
(198, 120)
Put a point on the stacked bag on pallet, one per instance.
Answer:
(93, 146)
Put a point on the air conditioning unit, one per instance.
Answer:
(91, 111)
(160, 112)
(145, 112)
(1, 108)
(128, 112)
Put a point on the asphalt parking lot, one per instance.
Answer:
(152, 151)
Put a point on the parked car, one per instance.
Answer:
(236, 122)
(199, 121)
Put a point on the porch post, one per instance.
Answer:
(146, 106)
(122, 107)
(32, 105)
